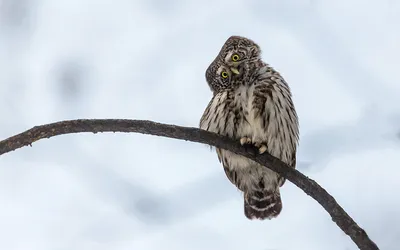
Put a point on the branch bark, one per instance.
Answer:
(309, 186)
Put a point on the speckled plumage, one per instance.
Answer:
(252, 102)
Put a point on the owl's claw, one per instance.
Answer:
(245, 140)
(261, 147)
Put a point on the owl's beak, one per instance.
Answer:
(235, 71)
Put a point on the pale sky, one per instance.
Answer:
(70, 59)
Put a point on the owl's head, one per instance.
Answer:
(238, 50)
(229, 66)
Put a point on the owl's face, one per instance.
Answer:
(231, 64)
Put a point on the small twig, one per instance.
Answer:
(309, 186)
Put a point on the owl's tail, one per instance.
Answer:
(262, 205)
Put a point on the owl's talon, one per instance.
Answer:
(245, 140)
(262, 149)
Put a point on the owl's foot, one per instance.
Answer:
(245, 140)
(261, 147)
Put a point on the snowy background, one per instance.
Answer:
(67, 59)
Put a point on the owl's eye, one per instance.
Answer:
(224, 74)
(235, 57)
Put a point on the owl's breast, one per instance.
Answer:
(243, 105)
(260, 118)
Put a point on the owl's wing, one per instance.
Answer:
(272, 101)
(219, 118)
(205, 118)
(230, 173)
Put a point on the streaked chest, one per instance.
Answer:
(244, 99)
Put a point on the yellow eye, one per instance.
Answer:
(235, 57)
(224, 74)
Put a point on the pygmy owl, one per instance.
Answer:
(251, 103)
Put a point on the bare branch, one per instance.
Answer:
(309, 186)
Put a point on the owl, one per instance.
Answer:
(251, 103)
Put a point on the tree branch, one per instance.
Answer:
(309, 186)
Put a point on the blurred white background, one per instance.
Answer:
(146, 59)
